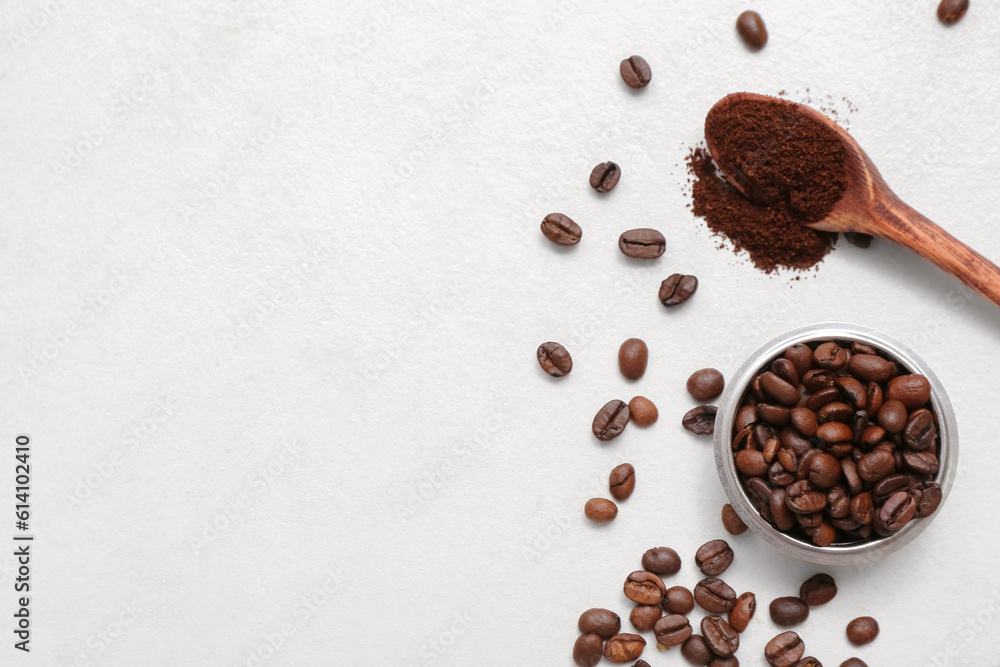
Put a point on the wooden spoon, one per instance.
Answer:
(870, 207)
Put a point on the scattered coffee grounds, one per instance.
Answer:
(792, 169)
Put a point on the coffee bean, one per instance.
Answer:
(854, 662)
(663, 561)
(830, 356)
(875, 398)
(849, 470)
(809, 662)
(805, 420)
(871, 368)
(838, 502)
(605, 176)
(822, 535)
(788, 611)
(752, 30)
(853, 391)
(779, 390)
(818, 589)
(782, 517)
(643, 663)
(786, 370)
(784, 650)
(889, 485)
(731, 521)
(714, 558)
(696, 651)
(600, 510)
(645, 616)
(927, 495)
(633, 355)
(706, 384)
(751, 463)
(601, 622)
(621, 481)
(776, 415)
(837, 412)
(912, 391)
(643, 411)
(642, 243)
(759, 492)
(720, 636)
(824, 470)
(875, 465)
(920, 433)
(677, 600)
(672, 630)
(897, 511)
(561, 229)
(635, 72)
(700, 420)
(676, 289)
(644, 587)
(554, 359)
(800, 355)
(714, 595)
(624, 648)
(817, 379)
(742, 612)
(610, 420)
(803, 498)
(731, 661)
(862, 630)
(587, 650)
(950, 12)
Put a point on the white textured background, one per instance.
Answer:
(271, 284)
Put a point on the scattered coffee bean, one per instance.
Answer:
(644, 587)
(601, 622)
(600, 510)
(642, 243)
(554, 359)
(720, 636)
(731, 521)
(950, 12)
(818, 589)
(643, 663)
(561, 229)
(731, 661)
(587, 650)
(624, 648)
(862, 630)
(706, 384)
(809, 662)
(676, 289)
(859, 240)
(622, 481)
(663, 561)
(672, 630)
(696, 651)
(643, 411)
(714, 557)
(645, 616)
(714, 595)
(678, 600)
(610, 420)
(605, 176)
(751, 28)
(784, 650)
(700, 420)
(742, 612)
(788, 611)
(633, 355)
(854, 662)
(635, 72)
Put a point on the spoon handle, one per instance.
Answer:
(907, 227)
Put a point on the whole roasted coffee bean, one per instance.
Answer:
(927, 495)
(644, 587)
(834, 432)
(635, 72)
(786, 370)
(782, 517)
(645, 616)
(731, 661)
(732, 522)
(611, 420)
(803, 498)
(752, 30)
(836, 412)
(601, 622)
(780, 477)
(642, 243)
(742, 612)
(875, 465)
(822, 397)
(950, 12)
(805, 420)
(621, 481)
(759, 493)
(862, 508)
(853, 391)
(561, 229)
(600, 510)
(624, 648)
(823, 534)
(663, 561)
(605, 176)
(838, 502)
(720, 636)
(788, 611)
(871, 368)
(642, 411)
(920, 433)
(802, 472)
(677, 600)
(751, 463)
(714, 557)
(676, 289)
(706, 384)
(872, 436)
(784, 650)
(809, 662)
(824, 470)
(862, 630)
(892, 417)
(696, 651)
(854, 662)
(554, 359)
(897, 511)
(714, 595)
(849, 470)
(913, 391)
(818, 589)
(587, 650)
(889, 485)
(801, 355)
(700, 420)
(817, 379)
(776, 415)
(643, 663)
(672, 630)
(830, 356)
(779, 390)
(875, 398)
(633, 355)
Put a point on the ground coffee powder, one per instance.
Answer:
(792, 170)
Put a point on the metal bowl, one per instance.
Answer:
(845, 554)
